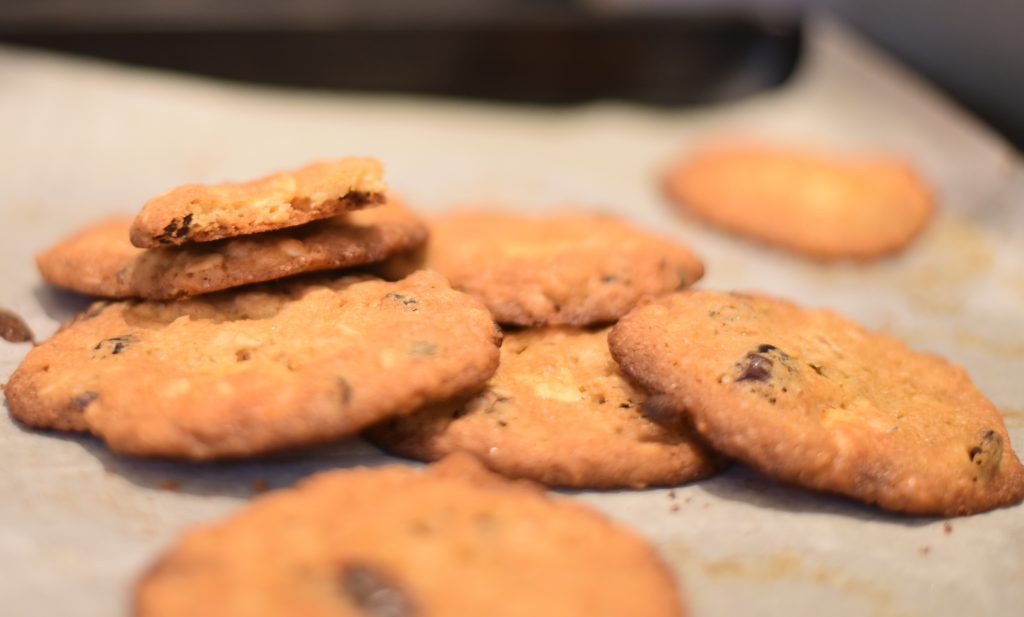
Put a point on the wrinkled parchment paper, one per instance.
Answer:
(80, 139)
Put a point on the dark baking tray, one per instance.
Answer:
(566, 58)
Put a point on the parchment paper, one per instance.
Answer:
(80, 139)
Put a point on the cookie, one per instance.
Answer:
(200, 213)
(822, 205)
(449, 541)
(563, 269)
(238, 374)
(100, 260)
(812, 398)
(557, 411)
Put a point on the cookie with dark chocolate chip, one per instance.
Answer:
(819, 204)
(200, 213)
(237, 374)
(557, 411)
(100, 261)
(812, 398)
(573, 268)
(449, 541)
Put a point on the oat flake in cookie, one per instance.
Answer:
(823, 205)
(449, 541)
(100, 261)
(557, 411)
(812, 398)
(572, 268)
(200, 213)
(267, 368)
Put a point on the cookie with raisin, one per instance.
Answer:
(100, 261)
(204, 212)
(238, 374)
(452, 540)
(812, 398)
(558, 411)
(823, 205)
(571, 268)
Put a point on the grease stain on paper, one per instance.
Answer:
(1013, 417)
(789, 565)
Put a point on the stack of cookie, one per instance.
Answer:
(197, 239)
(252, 369)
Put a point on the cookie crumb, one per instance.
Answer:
(924, 550)
(260, 485)
(13, 328)
(169, 485)
(947, 528)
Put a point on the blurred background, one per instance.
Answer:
(659, 52)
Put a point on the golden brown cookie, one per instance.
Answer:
(562, 269)
(100, 260)
(200, 213)
(449, 541)
(557, 411)
(271, 367)
(823, 205)
(812, 398)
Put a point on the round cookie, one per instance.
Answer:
(100, 261)
(200, 213)
(812, 398)
(449, 541)
(271, 367)
(557, 411)
(563, 269)
(826, 206)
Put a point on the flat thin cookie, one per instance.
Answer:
(449, 541)
(201, 212)
(557, 411)
(825, 206)
(812, 398)
(264, 369)
(564, 269)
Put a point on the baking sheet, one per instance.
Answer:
(81, 139)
